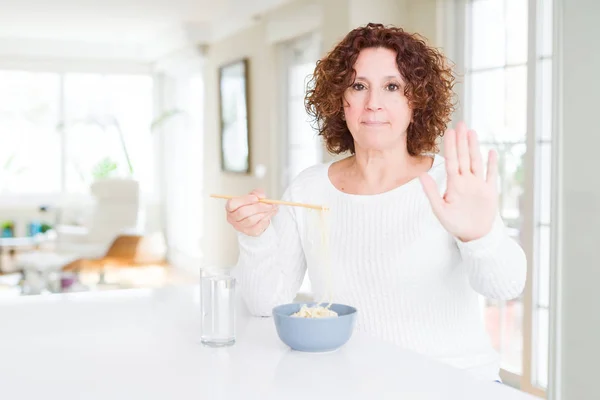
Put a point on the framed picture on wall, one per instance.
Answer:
(235, 132)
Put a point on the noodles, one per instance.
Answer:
(314, 312)
(318, 311)
(325, 254)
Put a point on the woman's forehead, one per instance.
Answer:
(372, 70)
(377, 61)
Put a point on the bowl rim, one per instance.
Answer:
(276, 311)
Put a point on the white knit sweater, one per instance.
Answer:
(412, 282)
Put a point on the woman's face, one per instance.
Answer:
(375, 107)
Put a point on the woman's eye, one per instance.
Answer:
(358, 86)
(392, 87)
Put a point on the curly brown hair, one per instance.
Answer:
(429, 83)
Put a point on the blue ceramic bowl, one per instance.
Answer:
(314, 334)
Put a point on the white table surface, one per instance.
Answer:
(143, 344)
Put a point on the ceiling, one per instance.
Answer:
(120, 22)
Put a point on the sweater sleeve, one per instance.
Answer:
(495, 263)
(271, 267)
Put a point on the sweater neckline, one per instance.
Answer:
(437, 160)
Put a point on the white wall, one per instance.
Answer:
(381, 11)
(179, 84)
(219, 243)
(579, 204)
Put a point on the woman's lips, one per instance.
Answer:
(374, 123)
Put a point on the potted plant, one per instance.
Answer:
(8, 229)
(105, 168)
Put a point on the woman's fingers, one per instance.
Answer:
(248, 211)
(234, 204)
(450, 152)
(248, 215)
(462, 152)
(260, 227)
(475, 154)
(462, 149)
(492, 169)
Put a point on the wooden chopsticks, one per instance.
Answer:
(281, 202)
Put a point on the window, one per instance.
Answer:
(508, 74)
(302, 147)
(62, 130)
(29, 115)
(98, 110)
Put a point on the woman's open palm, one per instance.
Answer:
(468, 208)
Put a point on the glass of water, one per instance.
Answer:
(217, 294)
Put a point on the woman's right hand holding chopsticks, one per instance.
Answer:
(248, 215)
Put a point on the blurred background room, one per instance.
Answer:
(119, 118)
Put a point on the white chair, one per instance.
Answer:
(116, 212)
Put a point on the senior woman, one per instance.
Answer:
(414, 237)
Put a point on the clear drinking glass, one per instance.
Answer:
(217, 294)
